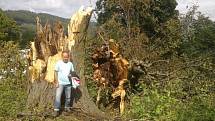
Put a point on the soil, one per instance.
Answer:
(74, 115)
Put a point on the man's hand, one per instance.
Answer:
(56, 79)
(56, 84)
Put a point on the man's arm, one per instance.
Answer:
(56, 69)
(56, 79)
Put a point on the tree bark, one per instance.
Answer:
(77, 35)
(46, 51)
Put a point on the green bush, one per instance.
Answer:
(200, 108)
(13, 81)
(153, 105)
(164, 106)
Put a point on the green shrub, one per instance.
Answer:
(153, 105)
(13, 81)
(164, 106)
(200, 108)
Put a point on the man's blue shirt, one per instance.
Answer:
(63, 70)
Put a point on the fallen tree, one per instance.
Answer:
(110, 72)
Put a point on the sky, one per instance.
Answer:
(62, 8)
(65, 8)
(207, 7)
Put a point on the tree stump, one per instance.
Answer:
(46, 51)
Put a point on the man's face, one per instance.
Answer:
(65, 57)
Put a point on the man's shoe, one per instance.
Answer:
(56, 113)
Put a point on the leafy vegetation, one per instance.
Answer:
(13, 82)
(8, 29)
(12, 67)
(178, 83)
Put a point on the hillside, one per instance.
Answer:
(27, 17)
(26, 21)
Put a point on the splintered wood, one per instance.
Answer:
(78, 26)
(45, 51)
(50, 41)
(110, 71)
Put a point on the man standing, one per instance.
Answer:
(62, 70)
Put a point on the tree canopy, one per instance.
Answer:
(177, 53)
(9, 31)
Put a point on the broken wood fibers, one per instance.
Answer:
(50, 42)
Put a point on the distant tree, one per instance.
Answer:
(9, 31)
(148, 15)
(151, 26)
(27, 34)
(198, 34)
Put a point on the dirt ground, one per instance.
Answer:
(74, 115)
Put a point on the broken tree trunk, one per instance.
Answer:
(46, 51)
(77, 36)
